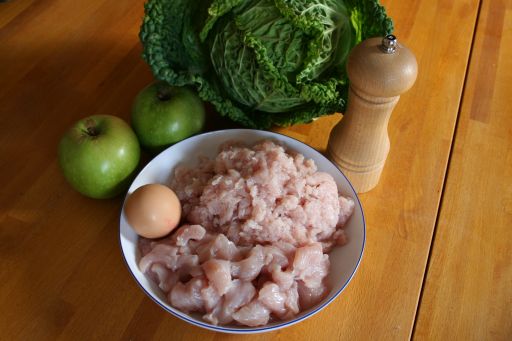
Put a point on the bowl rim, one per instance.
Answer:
(262, 329)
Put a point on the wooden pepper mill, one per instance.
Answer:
(380, 70)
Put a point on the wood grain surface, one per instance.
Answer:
(468, 290)
(61, 271)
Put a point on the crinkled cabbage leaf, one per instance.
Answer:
(260, 62)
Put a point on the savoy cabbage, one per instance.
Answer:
(260, 62)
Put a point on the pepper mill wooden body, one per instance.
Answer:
(380, 70)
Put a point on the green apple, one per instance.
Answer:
(99, 156)
(163, 115)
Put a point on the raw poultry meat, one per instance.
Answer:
(258, 225)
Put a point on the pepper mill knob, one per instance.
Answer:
(380, 70)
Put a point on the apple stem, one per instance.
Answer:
(163, 93)
(91, 128)
(92, 131)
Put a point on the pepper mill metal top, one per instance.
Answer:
(389, 44)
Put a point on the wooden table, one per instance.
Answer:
(437, 263)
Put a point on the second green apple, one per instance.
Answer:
(163, 115)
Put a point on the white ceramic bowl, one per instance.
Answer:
(344, 260)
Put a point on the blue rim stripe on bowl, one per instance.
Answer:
(185, 317)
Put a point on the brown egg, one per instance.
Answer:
(153, 210)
